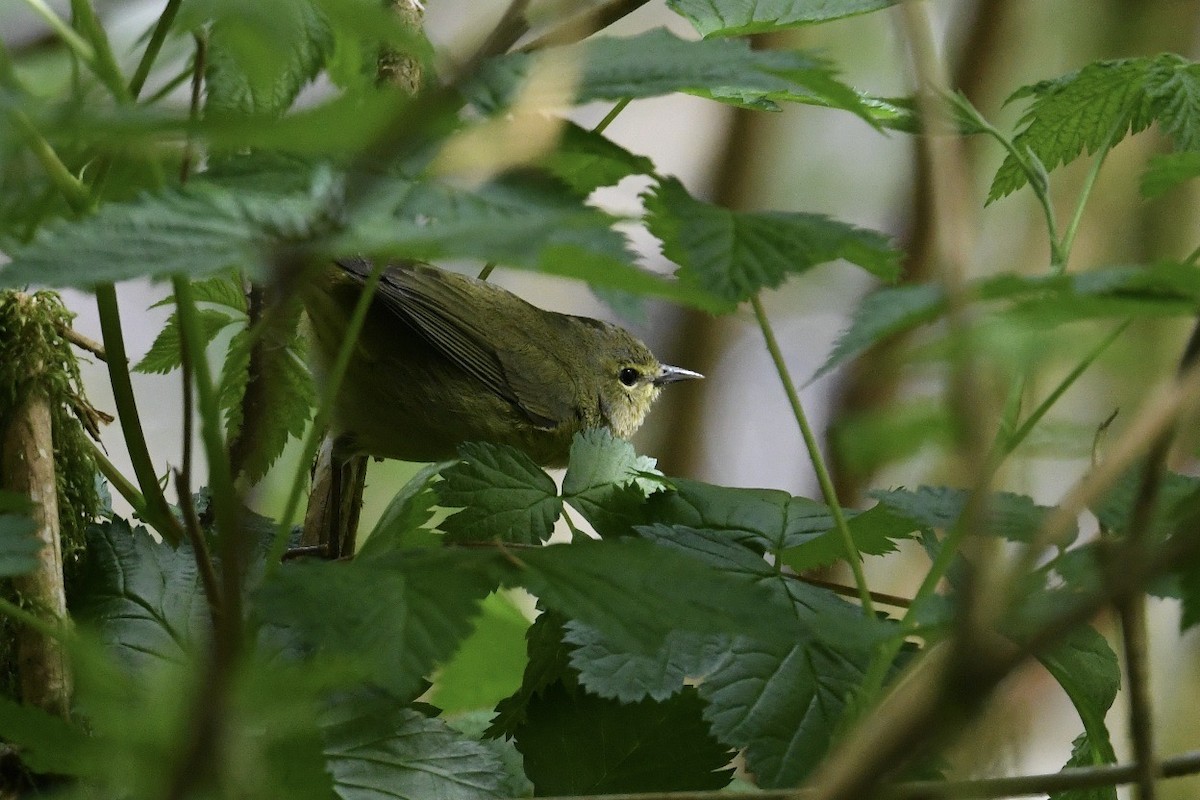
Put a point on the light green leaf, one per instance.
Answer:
(488, 666)
(607, 482)
(1085, 754)
(48, 744)
(735, 254)
(883, 313)
(874, 531)
(746, 17)
(585, 160)
(401, 524)
(1168, 171)
(502, 493)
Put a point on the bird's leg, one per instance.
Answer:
(334, 504)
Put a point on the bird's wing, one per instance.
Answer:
(439, 307)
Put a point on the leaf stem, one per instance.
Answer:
(612, 114)
(103, 64)
(77, 44)
(118, 481)
(853, 556)
(153, 47)
(1088, 184)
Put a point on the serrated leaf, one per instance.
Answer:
(285, 393)
(1012, 516)
(736, 254)
(546, 665)
(608, 482)
(1085, 754)
(883, 313)
(222, 290)
(414, 757)
(1086, 668)
(657, 62)
(502, 493)
(1099, 105)
(195, 231)
(577, 743)
(610, 672)
(165, 353)
(19, 545)
(636, 592)
(874, 531)
(586, 160)
(401, 523)
(747, 17)
(144, 598)
(259, 57)
(336, 610)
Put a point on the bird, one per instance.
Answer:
(443, 359)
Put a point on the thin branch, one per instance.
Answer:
(157, 37)
(584, 24)
(850, 549)
(70, 37)
(82, 342)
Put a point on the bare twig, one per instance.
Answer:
(82, 342)
(584, 24)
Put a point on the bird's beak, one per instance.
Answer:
(668, 374)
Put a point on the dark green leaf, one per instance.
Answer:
(735, 254)
(607, 482)
(1085, 754)
(415, 757)
(657, 62)
(164, 355)
(195, 231)
(19, 545)
(401, 525)
(1086, 667)
(1012, 516)
(391, 617)
(585, 160)
(628, 677)
(636, 593)
(874, 531)
(502, 493)
(577, 743)
(547, 664)
(745, 17)
(144, 598)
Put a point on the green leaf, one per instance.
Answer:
(636, 592)
(1168, 171)
(413, 757)
(143, 597)
(164, 355)
(1085, 754)
(883, 313)
(607, 482)
(47, 744)
(195, 231)
(546, 665)
(521, 220)
(223, 290)
(286, 395)
(1086, 668)
(874, 531)
(502, 493)
(736, 254)
(19, 545)
(488, 666)
(657, 62)
(1099, 105)
(765, 520)
(585, 160)
(392, 617)
(577, 743)
(259, 57)
(610, 672)
(401, 525)
(1012, 516)
(746, 17)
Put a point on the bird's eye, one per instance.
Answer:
(628, 376)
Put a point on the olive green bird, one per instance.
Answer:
(445, 359)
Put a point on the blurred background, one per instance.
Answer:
(735, 428)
